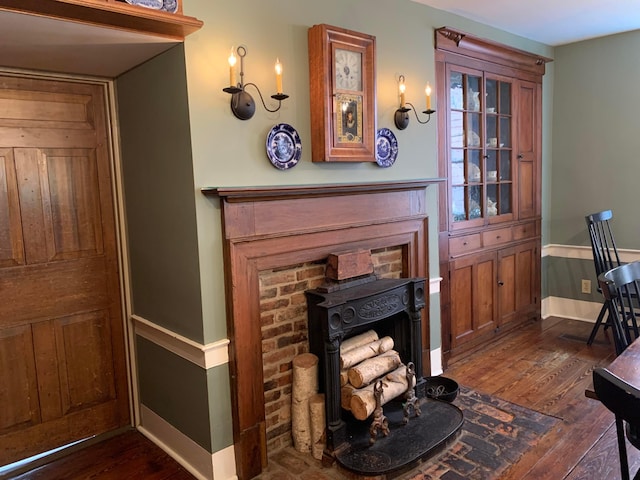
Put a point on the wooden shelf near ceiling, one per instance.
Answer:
(110, 14)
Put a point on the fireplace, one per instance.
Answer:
(275, 227)
(391, 307)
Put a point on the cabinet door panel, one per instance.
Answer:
(527, 140)
(473, 297)
(507, 260)
(516, 274)
(525, 266)
(462, 305)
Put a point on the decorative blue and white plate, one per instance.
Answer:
(154, 4)
(284, 147)
(170, 6)
(386, 147)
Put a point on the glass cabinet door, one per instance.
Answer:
(480, 141)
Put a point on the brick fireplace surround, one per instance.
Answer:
(278, 227)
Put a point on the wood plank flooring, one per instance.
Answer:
(127, 456)
(545, 366)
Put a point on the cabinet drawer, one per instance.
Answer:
(526, 230)
(496, 237)
(460, 245)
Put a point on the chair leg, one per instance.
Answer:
(622, 449)
(594, 330)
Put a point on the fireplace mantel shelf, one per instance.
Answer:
(245, 194)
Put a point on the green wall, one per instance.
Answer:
(179, 135)
(595, 137)
(159, 194)
(595, 151)
(230, 152)
(175, 389)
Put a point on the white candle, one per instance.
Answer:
(402, 90)
(278, 76)
(232, 68)
(428, 92)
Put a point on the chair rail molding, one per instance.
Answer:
(206, 356)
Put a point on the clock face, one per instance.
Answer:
(348, 66)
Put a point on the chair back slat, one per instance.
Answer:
(620, 287)
(603, 244)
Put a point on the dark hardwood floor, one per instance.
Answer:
(127, 456)
(544, 366)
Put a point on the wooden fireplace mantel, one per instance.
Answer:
(276, 227)
(249, 194)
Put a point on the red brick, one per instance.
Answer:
(293, 287)
(267, 319)
(269, 345)
(292, 339)
(270, 372)
(280, 355)
(277, 278)
(298, 299)
(313, 271)
(266, 293)
(275, 304)
(292, 313)
(268, 333)
(272, 396)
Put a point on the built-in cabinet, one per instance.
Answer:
(489, 121)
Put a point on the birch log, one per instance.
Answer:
(363, 373)
(345, 396)
(318, 425)
(304, 384)
(344, 377)
(363, 401)
(358, 340)
(358, 354)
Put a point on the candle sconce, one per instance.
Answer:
(242, 104)
(401, 117)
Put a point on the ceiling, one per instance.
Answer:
(552, 22)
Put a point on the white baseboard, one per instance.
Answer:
(569, 308)
(199, 462)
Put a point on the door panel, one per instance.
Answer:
(62, 354)
(20, 399)
(11, 245)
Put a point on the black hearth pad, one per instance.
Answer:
(421, 438)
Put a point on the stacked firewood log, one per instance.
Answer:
(364, 360)
(307, 407)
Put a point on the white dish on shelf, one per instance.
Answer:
(170, 6)
(153, 4)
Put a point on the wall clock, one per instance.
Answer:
(343, 95)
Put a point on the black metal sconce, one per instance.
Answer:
(242, 104)
(401, 117)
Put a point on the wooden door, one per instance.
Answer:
(473, 297)
(62, 356)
